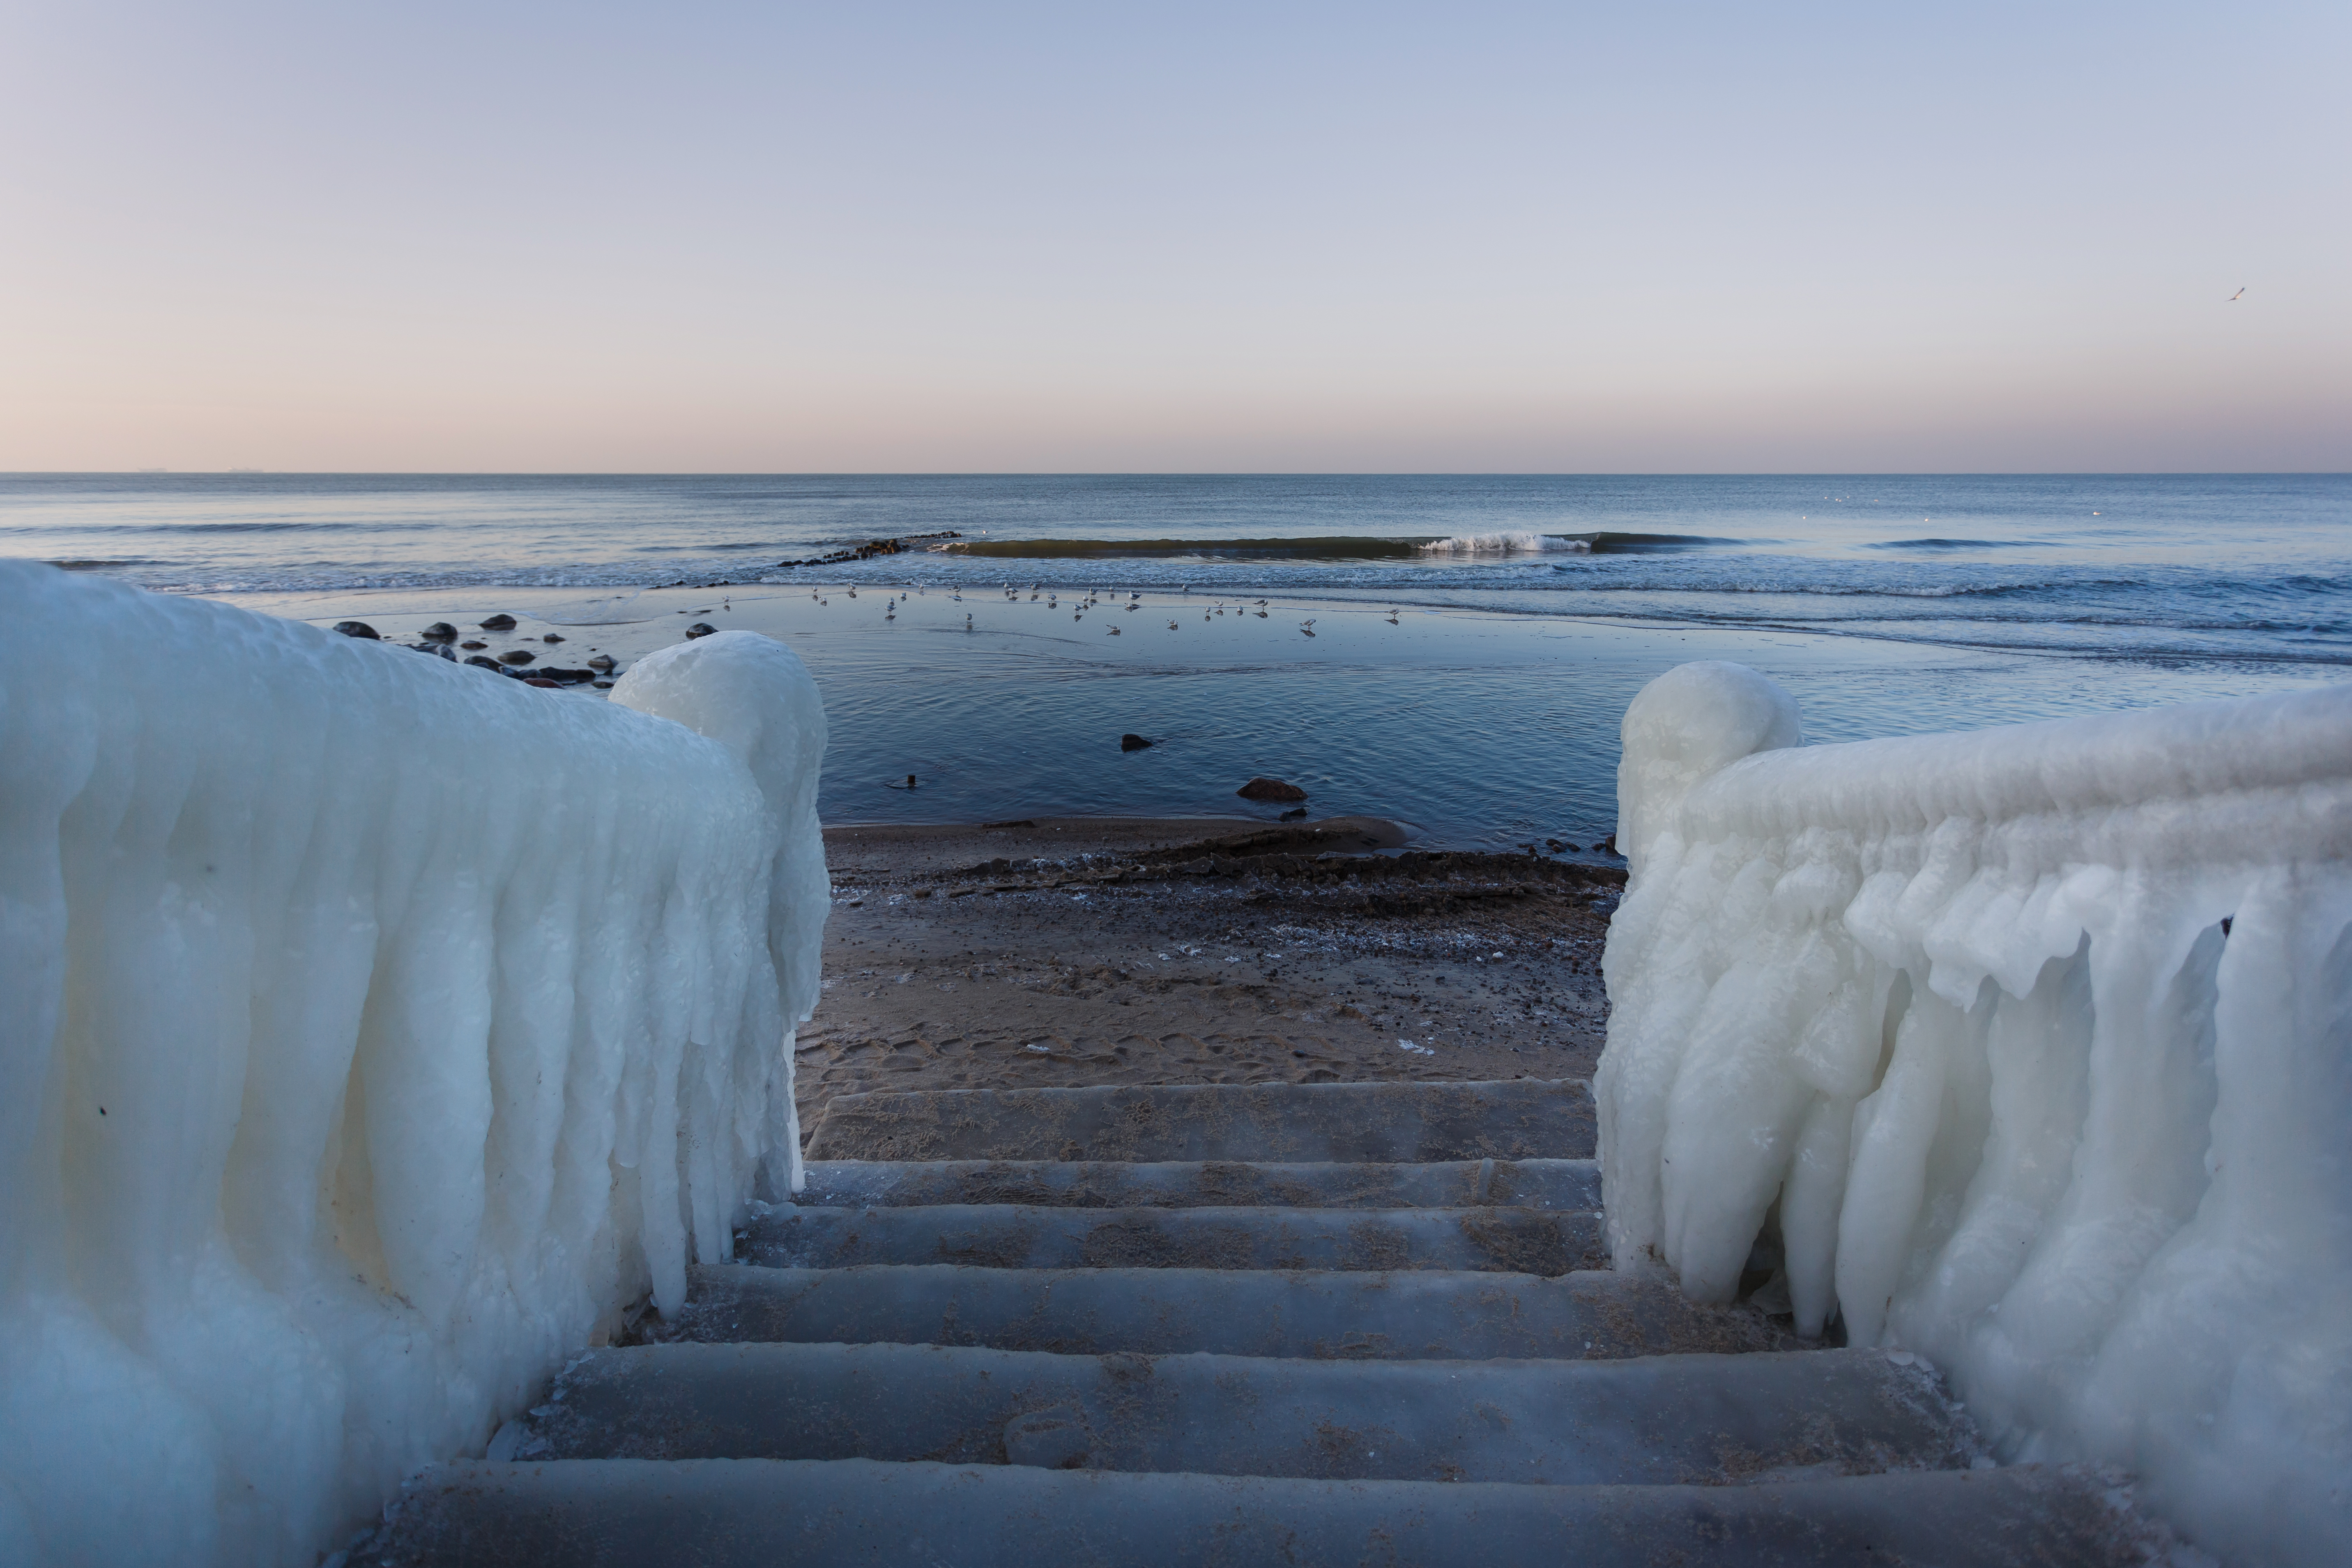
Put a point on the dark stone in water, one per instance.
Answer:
(476, 645)
(1132, 743)
(551, 637)
(441, 648)
(516, 655)
(699, 629)
(499, 624)
(1294, 813)
(439, 631)
(540, 680)
(602, 662)
(486, 663)
(564, 676)
(358, 629)
(1270, 789)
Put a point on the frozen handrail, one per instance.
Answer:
(376, 1030)
(2028, 1049)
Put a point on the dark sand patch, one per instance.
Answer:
(1063, 951)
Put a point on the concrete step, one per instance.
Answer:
(738, 1514)
(1214, 1184)
(1008, 1236)
(1403, 1315)
(1653, 1421)
(1410, 1123)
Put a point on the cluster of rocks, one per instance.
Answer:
(1564, 847)
(440, 640)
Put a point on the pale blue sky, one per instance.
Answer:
(1353, 237)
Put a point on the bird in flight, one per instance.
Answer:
(2233, 299)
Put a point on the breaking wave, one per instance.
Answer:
(1506, 544)
(1324, 547)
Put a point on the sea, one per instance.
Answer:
(1452, 651)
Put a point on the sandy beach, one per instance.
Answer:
(1089, 951)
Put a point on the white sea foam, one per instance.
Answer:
(1506, 544)
(2028, 1049)
(376, 1030)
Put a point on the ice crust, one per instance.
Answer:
(376, 1031)
(1951, 1032)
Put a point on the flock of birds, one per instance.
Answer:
(1087, 599)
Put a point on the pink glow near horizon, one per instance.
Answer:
(1311, 237)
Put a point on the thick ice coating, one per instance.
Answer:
(2028, 1049)
(374, 1030)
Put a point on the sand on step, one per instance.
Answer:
(1010, 1235)
(1652, 1421)
(1510, 1119)
(755, 1513)
(1205, 1183)
(1400, 1315)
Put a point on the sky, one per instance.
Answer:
(1459, 238)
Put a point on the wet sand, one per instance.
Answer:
(1087, 951)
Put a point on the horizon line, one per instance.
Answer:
(1167, 473)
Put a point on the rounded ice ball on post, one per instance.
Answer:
(1693, 720)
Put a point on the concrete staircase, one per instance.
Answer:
(1326, 1324)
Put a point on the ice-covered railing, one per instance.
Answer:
(376, 1031)
(2028, 1049)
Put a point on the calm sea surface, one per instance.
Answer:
(1530, 608)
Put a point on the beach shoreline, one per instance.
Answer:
(1074, 951)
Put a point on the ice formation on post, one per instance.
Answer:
(375, 1029)
(2028, 1049)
